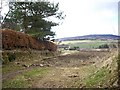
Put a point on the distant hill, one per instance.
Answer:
(91, 37)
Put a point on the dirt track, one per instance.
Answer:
(66, 69)
(76, 59)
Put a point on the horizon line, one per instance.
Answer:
(86, 35)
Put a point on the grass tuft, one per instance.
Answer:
(25, 79)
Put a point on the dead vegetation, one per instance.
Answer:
(27, 66)
(77, 70)
(12, 40)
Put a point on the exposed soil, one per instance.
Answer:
(75, 59)
(67, 69)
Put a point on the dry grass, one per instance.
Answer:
(78, 69)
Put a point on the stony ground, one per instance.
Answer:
(67, 70)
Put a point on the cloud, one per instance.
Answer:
(88, 17)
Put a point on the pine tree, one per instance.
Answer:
(31, 17)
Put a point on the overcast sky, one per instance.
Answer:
(85, 17)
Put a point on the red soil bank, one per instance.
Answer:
(17, 40)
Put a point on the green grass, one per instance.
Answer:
(86, 43)
(17, 82)
(10, 68)
(24, 58)
(96, 78)
(25, 79)
(36, 72)
(105, 76)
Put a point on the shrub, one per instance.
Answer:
(104, 46)
(8, 57)
(16, 40)
(11, 57)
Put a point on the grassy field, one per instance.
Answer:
(88, 44)
(25, 79)
(66, 69)
(76, 69)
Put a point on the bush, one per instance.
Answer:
(74, 48)
(11, 57)
(8, 57)
(104, 46)
(16, 40)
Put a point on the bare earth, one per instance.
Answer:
(68, 70)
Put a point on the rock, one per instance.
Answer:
(110, 71)
(92, 62)
(25, 65)
(115, 84)
(37, 64)
(83, 64)
(17, 63)
(82, 61)
(73, 76)
(49, 65)
(83, 86)
(99, 86)
(33, 65)
(41, 65)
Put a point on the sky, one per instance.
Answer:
(84, 17)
